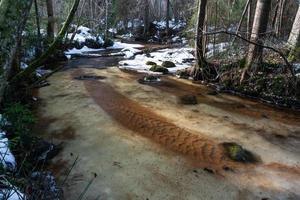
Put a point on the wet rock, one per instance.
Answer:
(238, 153)
(168, 64)
(212, 93)
(108, 43)
(89, 77)
(150, 78)
(184, 74)
(44, 151)
(161, 69)
(93, 44)
(151, 63)
(42, 185)
(188, 100)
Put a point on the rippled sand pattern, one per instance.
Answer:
(139, 119)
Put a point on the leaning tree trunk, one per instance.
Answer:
(37, 63)
(51, 22)
(198, 69)
(294, 39)
(13, 15)
(260, 25)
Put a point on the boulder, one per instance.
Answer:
(157, 68)
(151, 63)
(237, 153)
(168, 64)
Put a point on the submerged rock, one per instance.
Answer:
(149, 79)
(168, 64)
(237, 153)
(157, 68)
(188, 100)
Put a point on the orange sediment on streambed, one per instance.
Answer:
(130, 114)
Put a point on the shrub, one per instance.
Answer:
(17, 120)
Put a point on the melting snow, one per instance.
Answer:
(7, 159)
(178, 56)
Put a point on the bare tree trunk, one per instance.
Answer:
(246, 8)
(51, 22)
(249, 24)
(279, 17)
(260, 25)
(294, 38)
(146, 17)
(106, 18)
(200, 54)
(168, 18)
(38, 29)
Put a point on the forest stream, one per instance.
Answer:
(137, 141)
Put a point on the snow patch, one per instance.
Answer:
(179, 56)
(7, 159)
(83, 50)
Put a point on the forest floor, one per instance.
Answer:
(141, 143)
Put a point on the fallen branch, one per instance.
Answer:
(289, 66)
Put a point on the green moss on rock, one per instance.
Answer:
(168, 64)
(157, 68)
(151, 63)
(238, 153)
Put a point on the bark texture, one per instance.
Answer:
(200, 53)
(260, 25)
(51, 21)
(294, 38)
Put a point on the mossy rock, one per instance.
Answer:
(157, 68)
(188, 100)
(151, 78)
(151, 63)
(93, 44)
(168, 64)
(184, 74)
(238, 153)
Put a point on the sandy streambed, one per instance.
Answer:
(141, 144)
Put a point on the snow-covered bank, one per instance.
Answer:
(179, 56)
(128, 49)
(8, 160)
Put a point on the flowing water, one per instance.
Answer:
(136, 141)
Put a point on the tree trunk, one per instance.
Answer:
(168, 18)
(51, 22)
(200, 54)
(38, 50)
(146, 18)
(246, 8)
(13, 15)
(294, 38)
(260, 25)
(106, 19)
(37, 63)
(279, 17)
